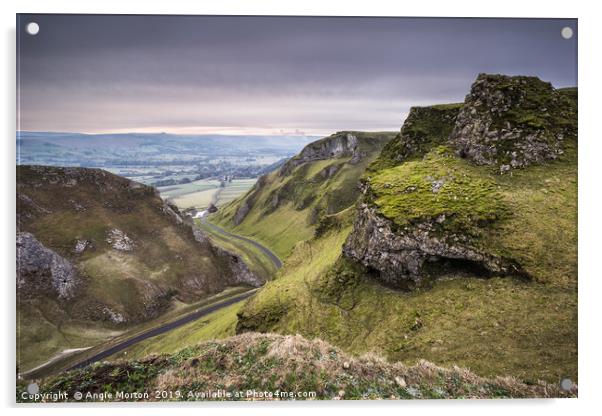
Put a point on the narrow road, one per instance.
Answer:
(161, 329)
(273, 258)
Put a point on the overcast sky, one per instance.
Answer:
(267, 75)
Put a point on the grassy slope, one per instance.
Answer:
(137, 284)
(497, 326)
(306, 196)
(273, 363)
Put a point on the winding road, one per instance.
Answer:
(199, 313)
(273, 258)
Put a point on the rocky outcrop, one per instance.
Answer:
(240, 272)
(242, 212)
(424, 210)
(119, 240)
(43, 271)
(341, 144)
(404, 257)
(513, 122)
(424, 128)
(249, 200)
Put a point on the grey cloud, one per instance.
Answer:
(103, 73)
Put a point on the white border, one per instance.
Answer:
(590, 184)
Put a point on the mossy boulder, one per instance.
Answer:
(514, 121)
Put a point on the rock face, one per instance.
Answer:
(340, 144)
(424, 209)
(249, 201)
(41, 270)
(240, 272)
(402, 257)
(513, 122)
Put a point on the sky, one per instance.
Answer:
(267, 75)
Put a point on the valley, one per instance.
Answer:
(452, 241)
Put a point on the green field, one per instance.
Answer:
(174, 191)
(233, 190)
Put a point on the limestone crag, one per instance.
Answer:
(513, 122)
(505, 122)
(337, 145)
(403, 256)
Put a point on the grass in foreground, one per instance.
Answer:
(291, 367)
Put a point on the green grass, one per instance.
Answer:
(440, 186)
(46, 330)
(289, 368)
(42, 339)
(497, 326)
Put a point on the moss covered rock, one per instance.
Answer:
(424, 128)
(514, 121)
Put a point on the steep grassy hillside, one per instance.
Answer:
(247, 366)
(446, 258)
(288, 205)
(98, 253)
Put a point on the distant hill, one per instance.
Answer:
(97, 253)
(132, 149)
